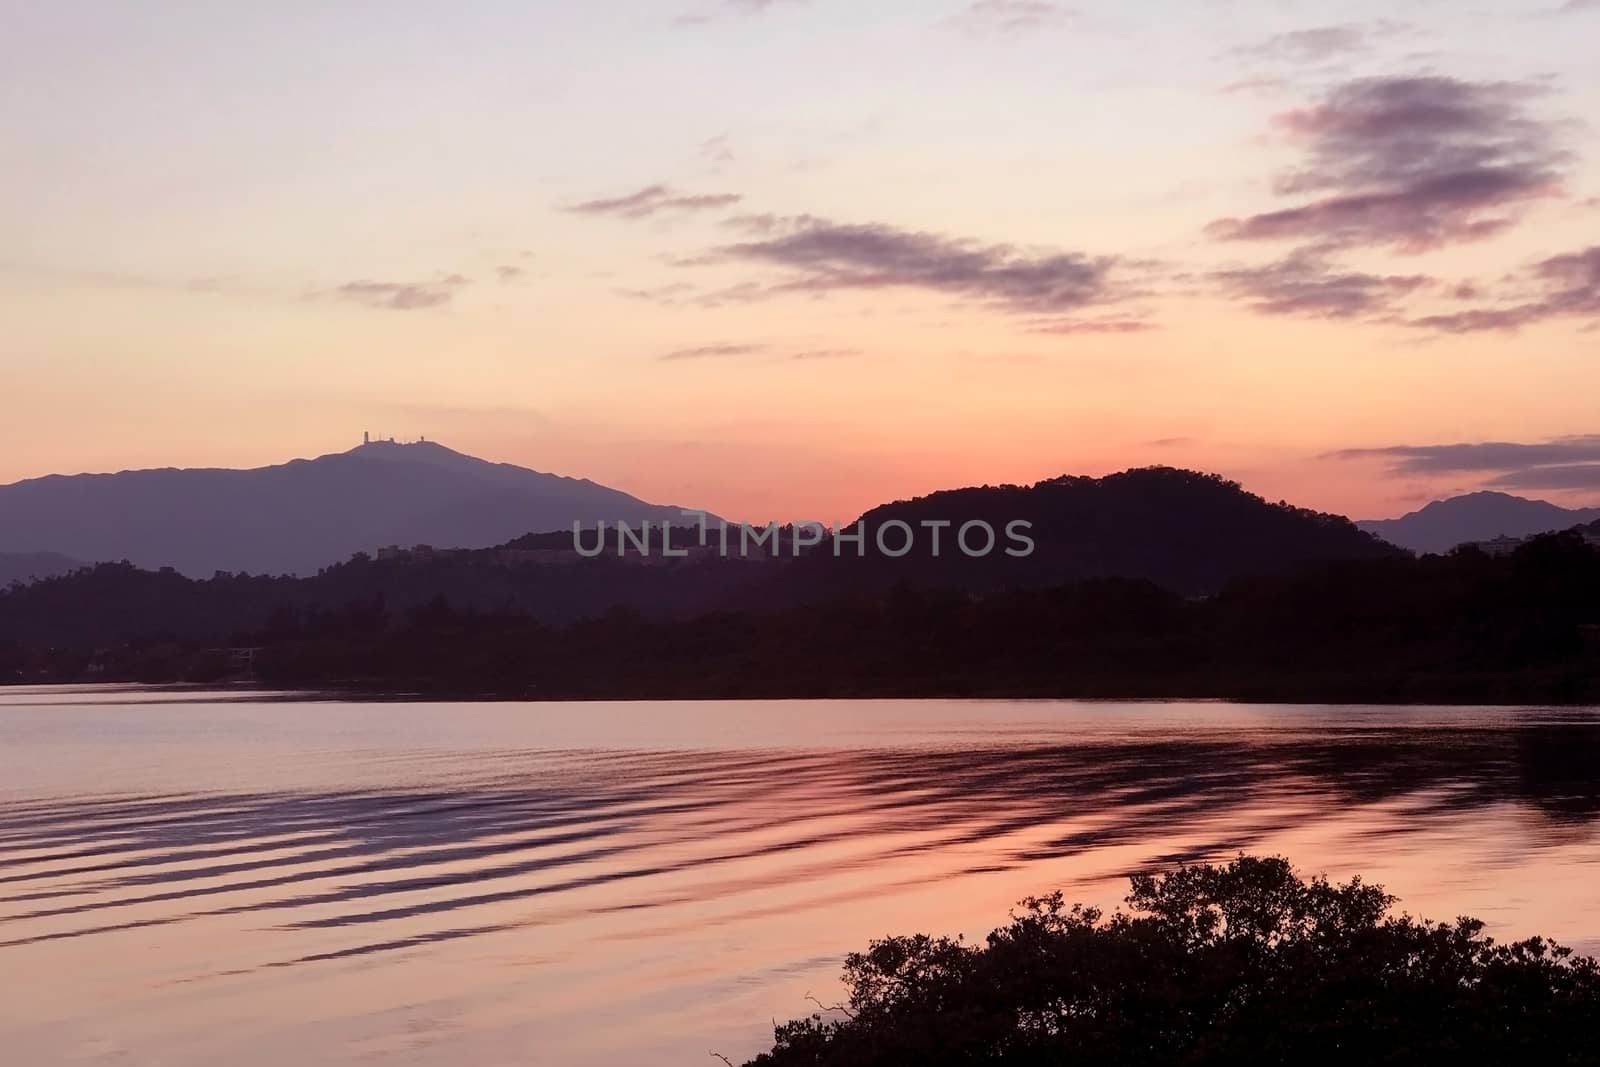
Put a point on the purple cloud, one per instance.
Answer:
(654, 200)
(1574, 280)
(1480, 320)
(718, 351)
(1509, 457)
(1565, 286)
(401, 296)
(1571, 476)
(1560, 463)
(1319, 43)
(1306, 284)
(1411, 163)
(822, 256)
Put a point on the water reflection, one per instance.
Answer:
(641, 815)
(521, 880)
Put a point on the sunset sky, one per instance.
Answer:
(791, 258)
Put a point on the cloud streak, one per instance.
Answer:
(1565, 286)
(1319, 43)
(723, 351)
(816, 255)
(713, 352)
(655, 200)
(1068, 327)
(401, 296)
(1412, 164)
(1509, 458)
(1305, 284)
(1571, 476)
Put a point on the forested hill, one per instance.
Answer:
(1188, 532)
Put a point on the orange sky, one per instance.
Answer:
(793, 259)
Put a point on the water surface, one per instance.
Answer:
(192, 878)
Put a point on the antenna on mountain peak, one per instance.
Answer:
(366, 437)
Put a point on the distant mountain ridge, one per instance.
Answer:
(295, 517)
(1484, 516)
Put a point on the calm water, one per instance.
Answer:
(192, 879)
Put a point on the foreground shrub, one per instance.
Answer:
(1245, 963)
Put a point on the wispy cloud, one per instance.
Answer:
(1319, 43)
(1306, 284)
(654, 200)
(718, 149)
(714, 351)
(401, 296)
(816, 255)
(1411, 164)
(1565, 286)
(1571, 476)
(772, 352)
(1067, 327)
(1507, 459)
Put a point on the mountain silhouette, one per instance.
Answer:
(1444, 524)
(1346, 618)
(295, 517)
(27, 566)
(1186, 531)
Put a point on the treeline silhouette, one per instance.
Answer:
(1211, 964)
(1466, 627)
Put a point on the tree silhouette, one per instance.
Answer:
(1240, 963)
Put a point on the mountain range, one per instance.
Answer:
(1444, 524)
(1187, 533)
(1182, 530)
(296, 517)
(1150, 583)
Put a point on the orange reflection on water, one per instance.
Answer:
(187, 878)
